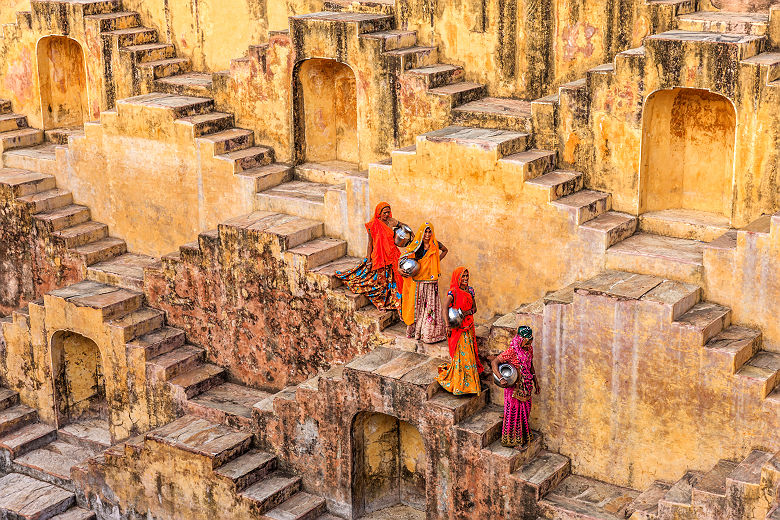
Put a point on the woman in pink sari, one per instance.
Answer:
(516, 432)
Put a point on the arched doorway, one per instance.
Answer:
(329, 112)
(389, 466)
(79, 383)
(62, 81)
(688, 152)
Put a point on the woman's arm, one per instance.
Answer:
(444, 310)
(442, 251)
(536, 382)
(370, 247)
(473, 303)
(393, 222)
(494, 366)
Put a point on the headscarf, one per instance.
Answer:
(429, 271)
(384, 251)
(464, 301)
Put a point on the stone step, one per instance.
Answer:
(24, 182)
(101, 250)
(157, 69)
(271, 491)
(75, 513)
(186, 84)
(724, 22)
(228, 403)
(229, 140)
(180, 106)
(198, 380)
(301, 506)
(543, 473)
(132, 36)
(110, 22)
(705, 320)
(217, 442)
(48, 200)
(676, 503)
(483, 427)
(371, 316)
(81, 234)
(558, 183)
(768, 63)
(300, 198)
(11, 122)
(41, 158)
(734, 346)
(500, 142)
(708, 496)
(609, 228)
(492, 112)
(357, 301)
(531, 163)
(93, 434)
(584, 205)
(26, 498)
(208, 123)
(27, 438)
(266, 177)
(682, 223)
(327, 272)
(744, 483)
(249, 158)
(289, 230)
(158, 342)
(762, 372)
(126, 271)
(510, 459)
(63, 217)
(457, 408)
(327, 172)
(52, 463)
(316, 252)
(411, 57)
(437, 75)
(667, 257)
(8, 398)
(645, 506)
(15, 417)
(460, 93)
(361, 6)
(112, 301)
(740, 46)
(247, 469)
(175, 362)
(146, 52)
(362, 22)
(393, 39)
(586, 499)
(22, 138)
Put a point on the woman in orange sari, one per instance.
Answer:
(377, 275)
(421, 305)
(461, 375)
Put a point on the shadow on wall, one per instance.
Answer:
(388, 464)
(63, 82)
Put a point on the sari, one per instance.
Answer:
(516, 430)
(421, 305)
(378, 277)
(461, 375)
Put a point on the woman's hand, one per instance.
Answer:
(538, 390)
(502, 381)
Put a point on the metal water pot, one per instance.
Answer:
(408, 266)
(403, 235)
(508, 372)
(455, 317)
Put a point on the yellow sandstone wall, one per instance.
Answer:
(8, 9)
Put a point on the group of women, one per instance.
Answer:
(417, 299)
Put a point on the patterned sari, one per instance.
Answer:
(378, 277)
(420, 303)
(517, 429)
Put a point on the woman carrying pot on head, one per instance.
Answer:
(516, 432)
(461, 375)
(421, 304)
(377, 276)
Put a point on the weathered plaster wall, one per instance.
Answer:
(62, 81)
(9, 8)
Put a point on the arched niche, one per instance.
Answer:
(688, 152)
(62, 82)
(328, 111)
(389, 464)
(79, 381)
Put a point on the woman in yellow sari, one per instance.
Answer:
(420, 303)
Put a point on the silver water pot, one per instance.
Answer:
(455, 317)
(408, 266)
(508, 372)
(403, 235)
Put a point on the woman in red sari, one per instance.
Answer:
(461, 375)
(377, 275)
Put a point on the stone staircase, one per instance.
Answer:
(37, 460)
